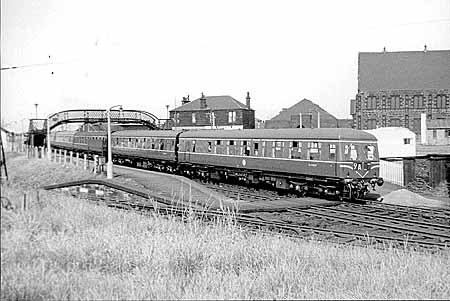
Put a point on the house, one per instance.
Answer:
(395, 88)
(395, 142)
(213, 112)
(308, 114)
(438, 132)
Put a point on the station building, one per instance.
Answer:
(394, 88)
(213, 112)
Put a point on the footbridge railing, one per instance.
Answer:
(93, 116)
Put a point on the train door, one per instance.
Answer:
(332, 156)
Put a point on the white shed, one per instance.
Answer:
(395, 142)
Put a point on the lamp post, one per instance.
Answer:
(109, 164)
(49, 149)
(35, 106)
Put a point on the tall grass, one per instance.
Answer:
(65, 248)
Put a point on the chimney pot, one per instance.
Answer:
(203, 102)
(248, 100)
(425, 48)
(384, 49)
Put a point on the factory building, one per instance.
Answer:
(395, 88)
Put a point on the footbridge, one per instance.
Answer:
(37, 131)
(94, 116)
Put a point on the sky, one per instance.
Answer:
(145, 55)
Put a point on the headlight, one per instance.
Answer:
(380, 181)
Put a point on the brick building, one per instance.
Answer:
(311, 116)
(438, 132)
(394, 88)
(213, 112)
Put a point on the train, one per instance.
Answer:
(340, 163)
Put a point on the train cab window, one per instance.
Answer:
(350, 152)
(353, 152)
(370, 152)
(332, 151)
(255, 148)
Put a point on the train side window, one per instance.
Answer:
(278, 145)
(217, 142)
(332, 151)
(247, 148)
(313, 150)
(193, 146)
(161, 145)
(255, 148)
(296, 150)
(209, 146)
(231, 142)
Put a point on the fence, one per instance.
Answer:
(392, 171)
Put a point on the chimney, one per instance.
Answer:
(318, 119)
(248, 100)
(425, 48)
(184, 101)
(203, 102)
(423, 128)
(384, 49)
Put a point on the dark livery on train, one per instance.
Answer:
(331, 162)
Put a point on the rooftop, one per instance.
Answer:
(223, 102)
(404, 70)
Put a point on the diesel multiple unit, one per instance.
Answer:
(335, 162)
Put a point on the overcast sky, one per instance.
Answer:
(146, 54)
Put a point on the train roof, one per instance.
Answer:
(313, 134)
(64, 132)
(145, 133)
(89, 134)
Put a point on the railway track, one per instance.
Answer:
(270, 225)
(322, 223)
(346, 223)
(355, 221)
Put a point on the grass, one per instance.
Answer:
(65, 248)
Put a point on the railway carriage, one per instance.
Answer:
(156, 149)
(341, 162)
(62, 139)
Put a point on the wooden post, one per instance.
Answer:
(70, 158)
(85, 162)
(78, 159)
(95, 163)
(65, 154)
(24, 201)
